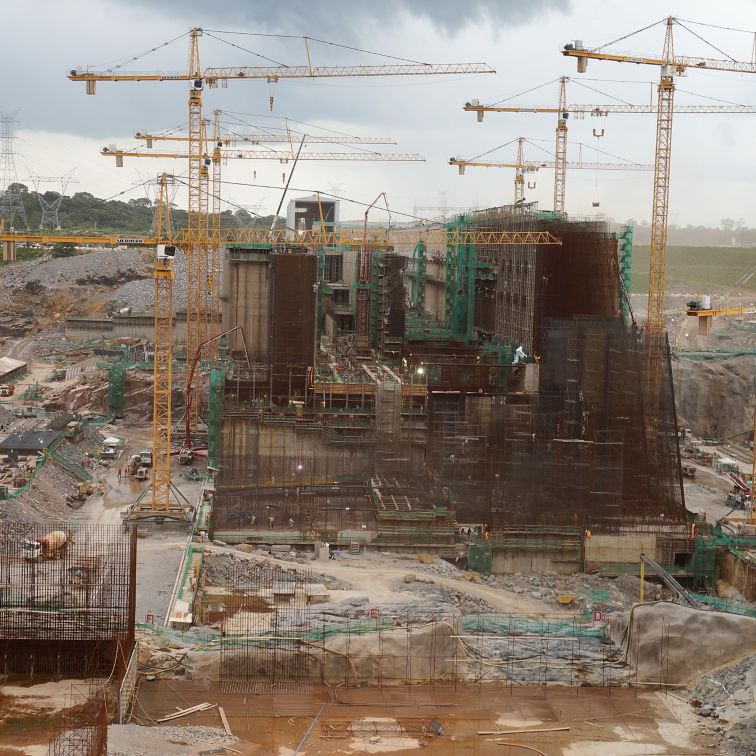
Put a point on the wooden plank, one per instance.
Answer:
(224, 719)
(515, 732)
(184, 712)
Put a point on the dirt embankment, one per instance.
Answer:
(714, 397)
(38, 293)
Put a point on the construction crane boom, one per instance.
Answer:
(267, 139)
(560, 166)
(345, 237)
(605, 110)
(529, 167)
(382, 238)
(273, 74)
(77, 239)
(679, 62)
(283, 157)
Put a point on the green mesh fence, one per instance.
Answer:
(76, 470)
(596, 595)
(512, 624)
(704, 563)
(725, 605)
(212, 639)
(480, 558)
(116, 388)
(215, 405)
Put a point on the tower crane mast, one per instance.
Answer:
(160, 503)
(163, 359)
(669, 66)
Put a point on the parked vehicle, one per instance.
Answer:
(52, 546)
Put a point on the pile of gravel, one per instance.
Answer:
(138, 295)
(136, 740)
(105, 268)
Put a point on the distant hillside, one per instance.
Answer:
(83, 212)
(699, 267)
(730, 234)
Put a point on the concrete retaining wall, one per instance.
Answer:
(611, 549)
(739, 573)
(508, 562)
(79, 330)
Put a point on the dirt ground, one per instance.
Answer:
(376, 578)
(599, 721)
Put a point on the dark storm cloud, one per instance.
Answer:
(344, 17)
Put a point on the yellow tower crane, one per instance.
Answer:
(522, 166)
(563, 110)
(669, 65)
(161, 504)
(280, 156)
(197, 235)
(216, 259)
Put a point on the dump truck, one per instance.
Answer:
(51, 546)
(185, 456)
(7, 389)
(146, 457)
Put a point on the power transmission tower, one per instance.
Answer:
(51, 206)
(11, 202)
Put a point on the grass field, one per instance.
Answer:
(698, 267)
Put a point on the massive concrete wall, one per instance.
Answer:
(79, 330)
(245, 301)
(257, 454)
(613, 549)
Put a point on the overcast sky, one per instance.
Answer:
(60, 128)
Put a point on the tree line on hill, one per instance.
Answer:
(82, 212)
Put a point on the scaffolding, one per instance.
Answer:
(116, 388)
(555, 437)
(214, 408)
